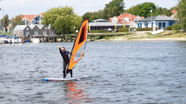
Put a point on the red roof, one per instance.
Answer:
(173, 11)
(30, 17)
(122, 16)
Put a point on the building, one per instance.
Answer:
(42, 30)
(156, 22)
(125, 18)
(33, 30)
(50, 31)
(101, 24)
(32, 19)
(22, 31)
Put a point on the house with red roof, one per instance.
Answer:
(32, 19)
(126, 18)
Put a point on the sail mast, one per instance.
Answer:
(79, 46)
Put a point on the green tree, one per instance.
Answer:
(5, 21)
(143, 9)
(162, 11)
(62, 19)
(93, 15)
(17, 21)
(182, 14)
(114, 8)
(67, 24)
(146, 8)
(135, 10)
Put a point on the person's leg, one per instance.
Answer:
(64, 70)
(71, 74)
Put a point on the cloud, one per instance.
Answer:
(17, 7)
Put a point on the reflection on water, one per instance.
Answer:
(74, 94)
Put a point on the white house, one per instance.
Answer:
(159, 22)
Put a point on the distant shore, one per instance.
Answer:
(149, 39)
(145, 39)
(146, 36)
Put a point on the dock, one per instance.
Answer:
(66, 38)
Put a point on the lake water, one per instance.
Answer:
(117, 73)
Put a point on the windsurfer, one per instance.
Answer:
(66, 60)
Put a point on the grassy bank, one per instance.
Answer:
(166, 35)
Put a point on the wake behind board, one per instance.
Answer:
(61, 79)
(66, 79)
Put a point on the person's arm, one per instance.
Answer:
(60, 50)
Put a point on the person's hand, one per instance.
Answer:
(59, 46)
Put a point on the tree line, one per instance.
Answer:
(64, 21)
(115, 8)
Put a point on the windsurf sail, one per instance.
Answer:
(79, 46)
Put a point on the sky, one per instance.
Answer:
(17, 7)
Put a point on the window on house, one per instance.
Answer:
(146, 25)
(36, 32)
(44, 32)
(139, 25)
(27, 29)
(27, 33)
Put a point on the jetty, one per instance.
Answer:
(71, 37)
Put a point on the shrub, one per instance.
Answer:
(144, 29)
(176, 27)
(169, 28)
(123, 29)
(99, 31)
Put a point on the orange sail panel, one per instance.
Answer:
(78, 49)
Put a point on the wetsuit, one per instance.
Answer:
(66, 61)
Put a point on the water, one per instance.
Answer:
(118, 72)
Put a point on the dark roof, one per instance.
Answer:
(158, 18)
(100, 20)
(105, 24)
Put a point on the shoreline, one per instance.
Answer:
(126, 40)
(149, 39)
(145, 36)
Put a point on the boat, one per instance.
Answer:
(16, 39)
(4, 40)
(35, 40)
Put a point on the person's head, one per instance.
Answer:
(63, 49)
